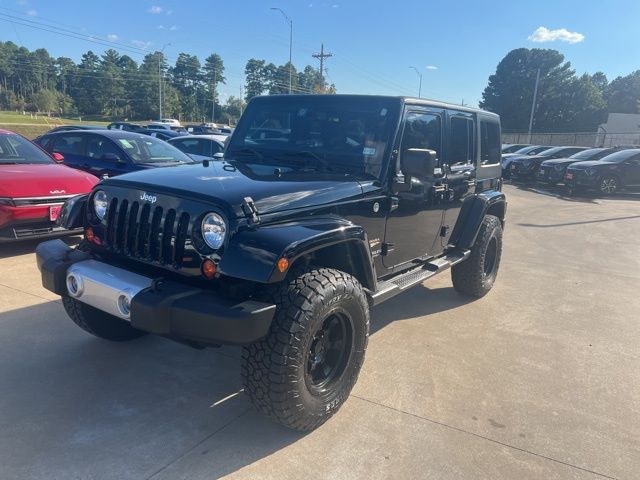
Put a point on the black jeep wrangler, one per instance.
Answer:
(322, 207)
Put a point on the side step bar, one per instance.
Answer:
(391, 287)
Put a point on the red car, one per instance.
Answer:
(33, 188)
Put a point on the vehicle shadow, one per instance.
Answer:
(25, 247)
(149, 408)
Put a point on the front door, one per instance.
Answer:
(413, 224)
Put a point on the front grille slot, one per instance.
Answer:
(149, 233)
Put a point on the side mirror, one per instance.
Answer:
(58, 157)
(112, 157)
(218, 156)
(418, 162)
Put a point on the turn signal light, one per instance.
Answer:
(208, 269)
(283, 264)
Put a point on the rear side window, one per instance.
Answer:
(68, 145)
(461, 141)
(489, 142)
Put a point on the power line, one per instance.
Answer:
(321, 56)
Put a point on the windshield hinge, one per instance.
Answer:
(250, 210)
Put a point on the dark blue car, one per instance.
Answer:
(111, 152)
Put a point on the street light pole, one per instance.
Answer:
(160, 80)
(420, 87)
(533, 106)
(290, 45)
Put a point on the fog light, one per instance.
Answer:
(208, 268)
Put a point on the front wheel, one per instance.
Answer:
(304, 369)
(476, 275)
(608, 185)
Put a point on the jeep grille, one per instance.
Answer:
(146, 232)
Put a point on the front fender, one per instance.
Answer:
(253, 254)
(472, 213)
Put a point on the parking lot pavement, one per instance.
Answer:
(539, 379)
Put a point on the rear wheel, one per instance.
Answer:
(98, 323)
(304, 369)
(477, 274)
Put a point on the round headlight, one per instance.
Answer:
(213, 230)
(100, 203)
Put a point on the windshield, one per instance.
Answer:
(587, 154)
(621, 156)
(143, 149)
(330, 134)
(15, 149)
(532, 150)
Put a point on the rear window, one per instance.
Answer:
(489, 142)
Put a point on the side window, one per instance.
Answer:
(189, 146)
(489, 142)
(461, 141)
(210, 148)
(97, 147)
(68, 145)
(422, 130)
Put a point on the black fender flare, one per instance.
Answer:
(73, 212)
(473, 210)
(253, 254)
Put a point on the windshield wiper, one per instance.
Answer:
(306, 153)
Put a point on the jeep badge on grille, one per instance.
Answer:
(144, 196)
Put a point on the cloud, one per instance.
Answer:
(155, 9)
(431, 67)
(173, 28)
(113, 37)
(141, 44)
(32, 13)
(543, 34)
(160, 27)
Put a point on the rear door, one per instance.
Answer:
(459, 166)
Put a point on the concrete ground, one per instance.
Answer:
(540, 379)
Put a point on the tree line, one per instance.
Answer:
(116, 86)
(566, 102)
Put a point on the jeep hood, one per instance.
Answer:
(227, 185)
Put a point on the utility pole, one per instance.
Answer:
(160, 59)
(533, 106)
(241, 100)
(420, 85)
(213, 100)
(290, 45)
(321, 56)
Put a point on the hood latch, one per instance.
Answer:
(250, 210)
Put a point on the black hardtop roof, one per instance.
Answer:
(401, 99)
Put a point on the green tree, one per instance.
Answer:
(623, 94)
(45, 101)
(86, 90)
(112, 85)
(256, 81)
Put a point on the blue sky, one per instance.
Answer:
(456, 45)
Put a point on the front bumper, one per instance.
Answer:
(166, 308)
(21, 223)
(550, 175)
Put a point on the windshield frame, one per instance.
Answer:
(322, 157)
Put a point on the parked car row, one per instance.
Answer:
(605, 169)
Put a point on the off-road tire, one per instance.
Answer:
(470, 277)
(98, 323)
(275, 369)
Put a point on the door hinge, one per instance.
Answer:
(386, 248)
(250, 210)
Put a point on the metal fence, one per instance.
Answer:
(600, 139)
